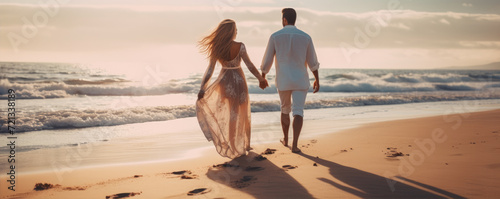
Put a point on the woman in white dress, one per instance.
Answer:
(223, 107)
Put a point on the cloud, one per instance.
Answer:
(480, 44)
(400, 26)
(467, 4)
(87, 28)
(410, 28)
(444, 21)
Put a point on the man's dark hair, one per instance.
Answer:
(290, 15)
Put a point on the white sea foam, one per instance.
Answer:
(339, 88)
(367, 81)
(66, 119)
(61, 89)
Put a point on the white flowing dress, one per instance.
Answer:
(224, 111)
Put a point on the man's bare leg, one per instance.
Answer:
(297, 127)
(285, 125)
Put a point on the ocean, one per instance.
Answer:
(61, 105)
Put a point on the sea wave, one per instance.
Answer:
(366, 81)
(430, 77)
(46, 90)
(93, 82)
(66, 119)
(61, 89)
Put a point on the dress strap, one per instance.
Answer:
(230, 68)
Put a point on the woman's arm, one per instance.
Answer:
(262, 80)
(250, 66)
(206, 78)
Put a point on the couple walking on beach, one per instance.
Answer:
(223, 107)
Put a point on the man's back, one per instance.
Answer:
(291, 46)
(293, 49)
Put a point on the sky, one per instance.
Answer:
(347, 34)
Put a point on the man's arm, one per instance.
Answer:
(316, 82)
(267, 61)
(311, 57)
(312, 62)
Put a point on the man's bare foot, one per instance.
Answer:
(249, 148)
(296, 150)
(284, 142)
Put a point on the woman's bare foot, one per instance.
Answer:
(284, 141)
(296, 150)
(249, 148)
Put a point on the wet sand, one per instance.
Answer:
(450, 156)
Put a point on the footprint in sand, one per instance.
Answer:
(226, 164)
(345, 150)
(44, 186)
(245, 181)
(259, 158)
(392, 153)
(77, 188)
(198, 191)
(250, 168)
(184, 174)
(189, 176)
(181, 172)
(286, 167)
(269, 151)
(123, 195)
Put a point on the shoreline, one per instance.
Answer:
(360, 152)
(122, 146)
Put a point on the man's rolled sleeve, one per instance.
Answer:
(312, 59)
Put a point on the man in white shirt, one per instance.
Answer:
(292, 49)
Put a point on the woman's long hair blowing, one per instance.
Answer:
(218, 44)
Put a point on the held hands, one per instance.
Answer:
(316, 86)
(263, 84)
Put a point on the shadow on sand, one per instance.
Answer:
(368, 185)
(263, 179)
(271, 178)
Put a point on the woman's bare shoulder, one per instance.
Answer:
(237, 44)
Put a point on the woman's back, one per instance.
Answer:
(223, 107)
(224, 111)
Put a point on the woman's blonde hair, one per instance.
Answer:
(217, 45)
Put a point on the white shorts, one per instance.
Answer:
(299, 99)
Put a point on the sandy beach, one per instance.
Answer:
(100, 99)
(449, 156)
